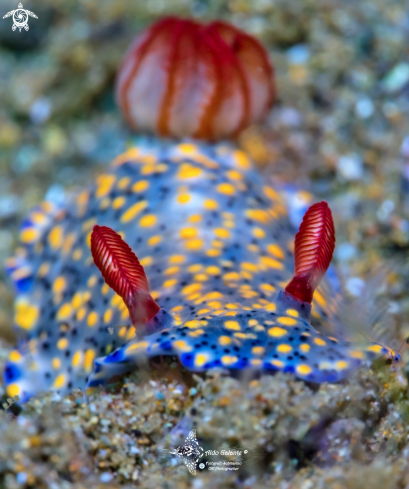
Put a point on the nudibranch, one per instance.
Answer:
(181, 78)
(212, 283)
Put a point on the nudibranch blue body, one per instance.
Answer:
(217, 247)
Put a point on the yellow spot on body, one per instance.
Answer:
(213, 252)
(277, 363)
(271, 262)
(122, 331)
(214, 304)
(224, 340)
(258, 215)
(59, 285)
(105, 289)
(277, 332)
(375, 348)
(62, 343)
(123, 183)
(59, 382)
(92, 281)
(267, 287)
(147, 221)
(89, 359)
(213, 270)
(29, 235)
(276, 251)
(228, 359)
(92, 319)
(181, 345)
(77, 254)
(64, 312)
(105, 203)
(56, 363)
(140, 186)
(133, 211)
(146, 261)
(201, 277)
(197, 332)
(305, 347)
(44, 269)
(55, 237)
(187, 233)
(203, 311)
(214, 295)
(210, 204)
(118, 202)
(356, 354)
(319, 299)
(153, 168)
(200, 359)
(189, 171)
(81, 313)
(286, 321)
(222, 233)
(303, 369)
(177, 259)
(191, 288)
(77, 359)
(241, 159)
(234, 175)
(257, 350)
(232, 325)
(259, 233)
(319, 342)
(171, 270)
(176, 308)
(183, 198)
(104, 185)
(154, 240)
(284, 348)
(292, 312)
(271, 307)
(341, 365)
(193, 323)
(195, 218)
(226, 188)
(170, 283)
(194, 268)
(231, 276)
(271, 193)
(251, 267)
(14, 356)
(13, 390)
(194, 244)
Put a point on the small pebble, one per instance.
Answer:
(350, 167)
(355, 286)
(106, 477)
(40, 110)
(159, 396)
(364, 108)
(298, 54)
(397, 78)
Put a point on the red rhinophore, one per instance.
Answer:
(123, 273)
(184, 79)
(314, 246)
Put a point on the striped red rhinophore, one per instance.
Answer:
(122, 271)
(314, 246)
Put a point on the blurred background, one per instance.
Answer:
(337, 129)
